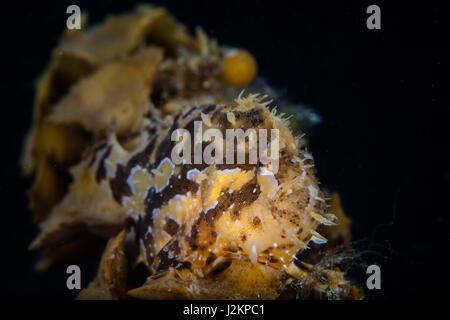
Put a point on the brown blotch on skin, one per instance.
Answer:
(220, 118)
(240, 198)
(219, 268)
(207, 108)
(92, 152)
(166, 145)
(184, 265)
(192, 239)
(244, 197)
(211, 258)
(273, 260)
(267, 250)
(230, 249)
(251, 118)
(101, 171)
(256, 222)
(171, 227)
(142, 158)
(156, 200)
(119, 185)
(179, 187)
(166, 260)
(242, 166)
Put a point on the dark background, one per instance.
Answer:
(380, 144)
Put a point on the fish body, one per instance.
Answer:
(200, 229)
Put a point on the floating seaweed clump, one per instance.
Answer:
(100, 150)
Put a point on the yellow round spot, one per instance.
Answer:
(238, 68)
